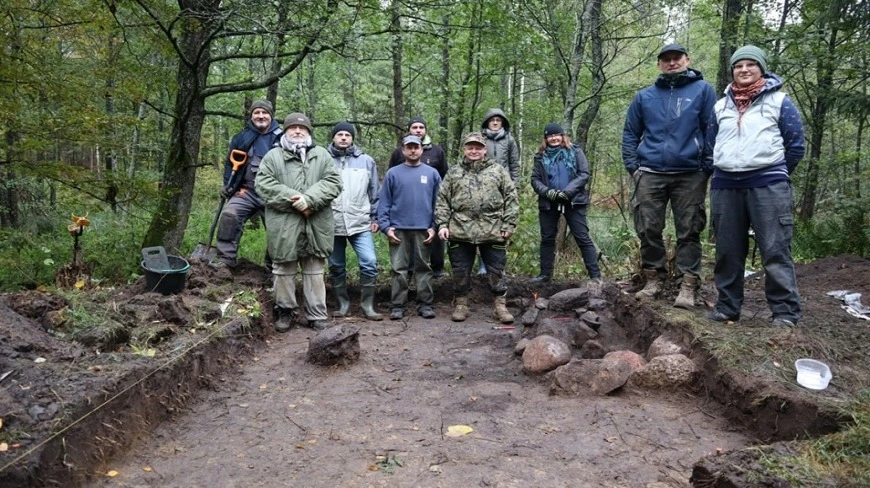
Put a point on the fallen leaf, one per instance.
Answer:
(79, 284)
(147, 469)
(373, 467)
(39, 360)
(4, 447)
(1, 422)
(312, 441)
(472, 399)
(458, 430)
(427, 363)
(112, 473)
(264, 386)
(435, 468)
(776, 364)
(42, 288)
(300, 446)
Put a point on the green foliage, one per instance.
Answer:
(842, 229)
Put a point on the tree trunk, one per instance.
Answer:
(179, 173)
(727, 42)
(582, 30)
(397, 46)
(592, 21)
(443, 117)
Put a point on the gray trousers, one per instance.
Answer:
(768, 210)
(238, 209)
(686, 192)
(411, 249)
(313, 286)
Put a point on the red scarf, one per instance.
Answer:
(743, 94)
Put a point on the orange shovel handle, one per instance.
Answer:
(238, 158)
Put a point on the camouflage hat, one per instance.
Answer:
(474, 138)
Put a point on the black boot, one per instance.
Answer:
(285, 319)
(541, 278)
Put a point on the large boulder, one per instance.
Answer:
(664, 372)
(568, 300)
(568, 330)
(586, 377)
(335, 345)
(635, 361)
(545, 353)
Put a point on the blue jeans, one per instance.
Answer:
(768, 210)
(363, 245)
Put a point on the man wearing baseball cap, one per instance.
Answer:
(663, 150)
(477, 210)
(261, 134)
(406, 214)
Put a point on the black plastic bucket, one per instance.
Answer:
(167, 281)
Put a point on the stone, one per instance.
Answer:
(545, 353)
(590, 377)
(568, 330)
(530, 317)
(634, 360)
(568, 300)
(597, 304)
(592, 350)
(334, 345)
(664, 372)
(521, 346)
(591, 319)
(663, 346)
(541, 303)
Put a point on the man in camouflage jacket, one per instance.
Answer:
(477, 209)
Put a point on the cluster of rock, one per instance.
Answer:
(572, 338)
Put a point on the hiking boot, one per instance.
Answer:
(541, 278)
(717, 316)
(460, 309)
(318, 324)
(595, 287)
(285, 319)
(397, 314)
(342, 301)
(783, 322)
(654, 285)
(220, 264)
(438, 275)
(367, 298)
(501, 312)
(688, 290)
(426, 312)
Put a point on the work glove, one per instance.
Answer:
(300, 203)
(552, 194)
(226, 192)
(562, 196)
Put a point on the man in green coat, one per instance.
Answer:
(298, 183)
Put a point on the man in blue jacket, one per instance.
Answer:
(261, 134)
(663, 149)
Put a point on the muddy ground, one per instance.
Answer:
(225, 402)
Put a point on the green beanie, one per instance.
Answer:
(751, 53)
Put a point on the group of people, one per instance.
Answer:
(317, 200)
(676, 135)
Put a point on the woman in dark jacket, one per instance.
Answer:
(559, 177)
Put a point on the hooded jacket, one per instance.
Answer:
(666, 124)
(576, 188)
(256, 145)
(501, 147)
(477, 202)
(769, 132)
(289, 234)
(357, 206)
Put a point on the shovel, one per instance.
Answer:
(204, 251)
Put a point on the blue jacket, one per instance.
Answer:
(256, 145)
(665, 128)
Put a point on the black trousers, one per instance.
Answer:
(493, 255)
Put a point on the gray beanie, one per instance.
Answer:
(263, 104)
(751, 53)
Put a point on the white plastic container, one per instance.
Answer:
(812, 374)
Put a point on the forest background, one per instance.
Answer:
(122, 110)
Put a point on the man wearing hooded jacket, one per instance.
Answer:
(261, 134)
(663, 149)
(501, 146)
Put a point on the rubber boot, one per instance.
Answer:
(654, 285)
(501, 312)
(460, 309)
(342, 301)
(686, 298)
(367, 298)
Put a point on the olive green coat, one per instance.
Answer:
(290, 235)
(476, 202)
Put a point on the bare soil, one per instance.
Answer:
(225, 402)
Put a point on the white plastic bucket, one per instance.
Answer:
(812, 374)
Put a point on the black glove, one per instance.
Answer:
(552, 194)
(227, 192)
(562, 196)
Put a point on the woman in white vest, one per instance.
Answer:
(758, 142)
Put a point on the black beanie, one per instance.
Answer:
(343, 126)
(415, 120)
(263, 104)
(553, 128)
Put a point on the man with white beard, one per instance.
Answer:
(298, 183)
